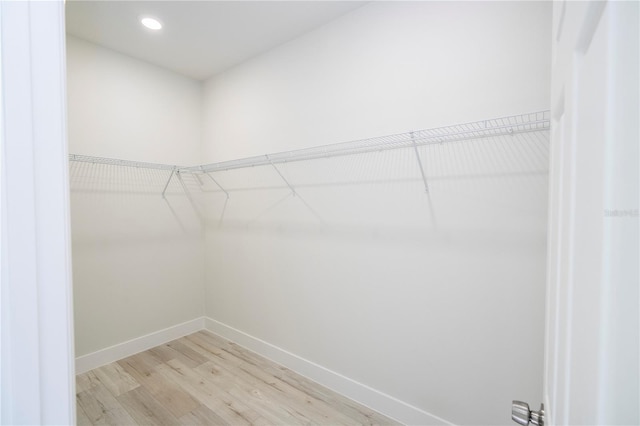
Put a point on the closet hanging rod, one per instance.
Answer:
(524, 123)
(124, 163)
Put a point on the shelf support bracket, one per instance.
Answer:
(415, 148)
(168, 181)
(184, 187)
(188, 194)
(293, 191)
(216, 182)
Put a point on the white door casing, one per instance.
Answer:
(592, 332)
(36, 354)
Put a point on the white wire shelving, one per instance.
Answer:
(523, 123)
(122, 163)
(509, 125)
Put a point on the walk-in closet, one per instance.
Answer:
(319, 212)
(308, 212)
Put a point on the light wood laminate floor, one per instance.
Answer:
(202, 379)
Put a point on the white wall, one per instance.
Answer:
(126, 108)
(385, 68)
(445, 315)
(137, 258)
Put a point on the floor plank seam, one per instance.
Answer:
(203, 379)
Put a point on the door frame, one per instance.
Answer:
(592, 328)
(36, 324)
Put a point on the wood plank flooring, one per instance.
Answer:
(202, 379)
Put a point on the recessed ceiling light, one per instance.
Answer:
(152, 24)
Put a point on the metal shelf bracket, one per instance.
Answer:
(216, 182)
(173, 171)
(415, 148)
(293, 191)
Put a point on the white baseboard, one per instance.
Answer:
(122, 350)
(372, 398)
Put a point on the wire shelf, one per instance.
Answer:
(531, 122)
(510, 125)
(122, 163)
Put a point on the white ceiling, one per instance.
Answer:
(199, 38)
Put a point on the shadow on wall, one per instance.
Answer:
(360, 267)
(493, 187)
(111, 202)
(365, 273)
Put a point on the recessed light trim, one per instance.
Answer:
(151, 23)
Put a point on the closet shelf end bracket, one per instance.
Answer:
(173, 171)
